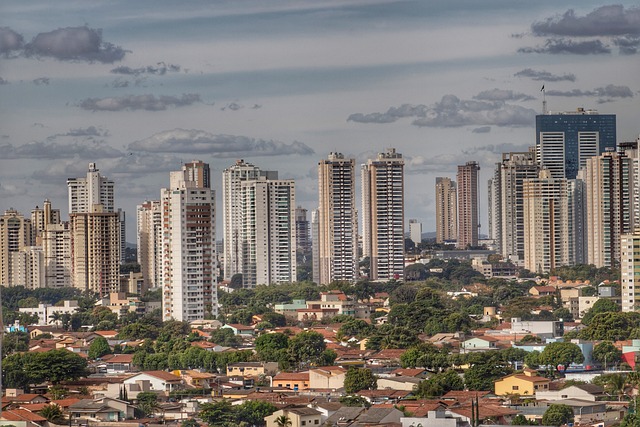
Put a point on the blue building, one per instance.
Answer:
(564, 141)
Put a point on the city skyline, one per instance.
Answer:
(285, 84)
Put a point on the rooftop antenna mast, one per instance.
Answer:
(544, 100)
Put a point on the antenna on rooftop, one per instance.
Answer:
(544, 100)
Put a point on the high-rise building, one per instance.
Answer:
(188, 249)
(608, 184)
(468, 215)
(548, 222)
(41, 217)
(446, 210)
(268, 233)
(232, 178)
(565, 140)
(507, 191)
(149, 243)
(632, 151)
(383, 215)
(95, 253)
(415, 231)
(95, 189)
(303, 238)
(629, 267)
(15, 234)
(27, 267)
(56, 245)
(337, 218)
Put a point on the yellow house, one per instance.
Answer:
(298, 381)
(526, 383)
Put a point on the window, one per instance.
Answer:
(515, 387)
(303, 423)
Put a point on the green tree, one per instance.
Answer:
(561, 353)
(190, 422)
(53, 413)
(217, 413)
(427, 356)
(147, 402)
(556, 415)
(612, 326)
(603, 305)
(98, 348)
(355, 328)
(253, 412)
(306, 348)
(56, 366)
(438, 384)
(271, 347)
(521, 420)
(481, 376)
(225, 337)
(283, 421)
(607, 353)
(389, 336)
(357, 379)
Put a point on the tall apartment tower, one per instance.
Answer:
(232, 221)
(629, 265)
(27, 267)
(188, 248)
(565, 140)
(268, 232)
(415, 231)
(609, 188)
(15, 234)
(548, 222)
(149, 242)
(95, 250)
(446, 210)
(303, 237)
(56, 245)
(632, 151)
(41, 218)
(468, 215)
(508, 221)
(337, 257)
(383, 215)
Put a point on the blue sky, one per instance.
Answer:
(138, 87)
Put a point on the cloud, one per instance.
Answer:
(160, 69)
(451, 111)
(610, 20)
(502, 95)
(560, 46)
(546, 76)
(9, 190)
(3, 81)
(139, 102)
(54, 150)
(482, 129)
(233, 106)
(628, 45)
(609, 91)
(225, 146)
(88, 132)
(74, 44)
(10, 41)
(42, 81)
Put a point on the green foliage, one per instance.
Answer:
(630, 420)
(253, 412)
(355, 401)
(357, 379)
(561, 353)
(484, 370)
(53, 413)
(271, 347)
(189, 422)
(98, 348)
(137, 331)
(603, 305)
(607, 352)
(22, 369)
(147, 402)
(225, 337)
(355, 328)
(14, 342)
(584, 272)
(223, 414)
(427, 356)
(556, 415)
(389, 336)
(612, 326)
(439, 384)
(306, 349)
(521, 420)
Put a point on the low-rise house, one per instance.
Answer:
(101, 409)
(585, 411)
(128, 389)
(398, 383)
(199, 379)
(161, 381)
(436, 418)
(297, 381)
(329, 377)
(578, 391)
(542, 291)
(252, 369)
(299, 417)
(241, 330)
(482, 343)
(364, 417)
(386, 357)
(118, 363)
(527, 383)
(22, 417)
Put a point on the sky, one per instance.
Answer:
(139, 87)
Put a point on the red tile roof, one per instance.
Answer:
(22, 415)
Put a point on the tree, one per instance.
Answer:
(561, 353)
(270, 347)
(225, 337)
(481, 376)
(53, 413)
(147, 402)
(306, 348)
(98, 348)
(217, 413)
(427, 356)
(190, 422)
(438, 384)
(56, 366)
(603, 305)
(607, 353)
(358, 379)
(612, 326)
(283, 421)
(556, 415)
(355, 328)
(521, 420)
(253, 412)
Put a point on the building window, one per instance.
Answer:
(515, 387)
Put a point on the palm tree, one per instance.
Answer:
(53, 413)
(283, 421)
(616, 384)
(55, 317)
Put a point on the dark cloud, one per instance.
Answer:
(609, 91)
(256, 106)
(74, 44)
(53, 150)
(120, 83)
(200, 142)
(10, 41)
(8, 190)
(42, 81)
(546, 76)
(451, 111)
(88, 132)
(139, 102)
(159, 69)
(560, 46)
(628, 45)
(233, 106)
(482, 129)
(502, 95)
(3, 81)
(610, 20)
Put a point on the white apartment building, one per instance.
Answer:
(149, 242)
(630, 272)
(15, 234)
(56, 245)
(446, 210)
(28, 267)
(45, 311)
(415, 231)
(94, 189)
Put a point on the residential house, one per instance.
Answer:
(361, 416)
(22, 418)
(542, 291)
(297, 381)
(118, 390)
(329, 377)
(199, 379)
(436, 418)
(101, 409)
(482, 343)
(299, 417)
(386, 357)
(579, 391)
(527, 383)
(398, 383)
(118, 363)
(241, 330)
(252, 369)
(159, 381)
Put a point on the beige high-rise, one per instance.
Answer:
(446, 210)
(468, 215)
(149, 241)
(337, 220)
(15, 234)
(629, 265)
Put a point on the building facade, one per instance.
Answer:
(15, 234)
(468, 214)
(303, 230)
(446, 210)
(415, 231)
(383, 215)
(630, 272)
(149, 242)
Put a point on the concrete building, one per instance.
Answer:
(28, 267)
(629, 264)
(56, 245)
(565, 140)
(303, 236)
(15, 234)
(188, 248)
(548, 222)
(608, 184)
(95, 255)
(446, 210)
(46, 311)
(415, 231)
(337, 221)
(383, 215)
(149, 242)
(468, 214)
(41, 217)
